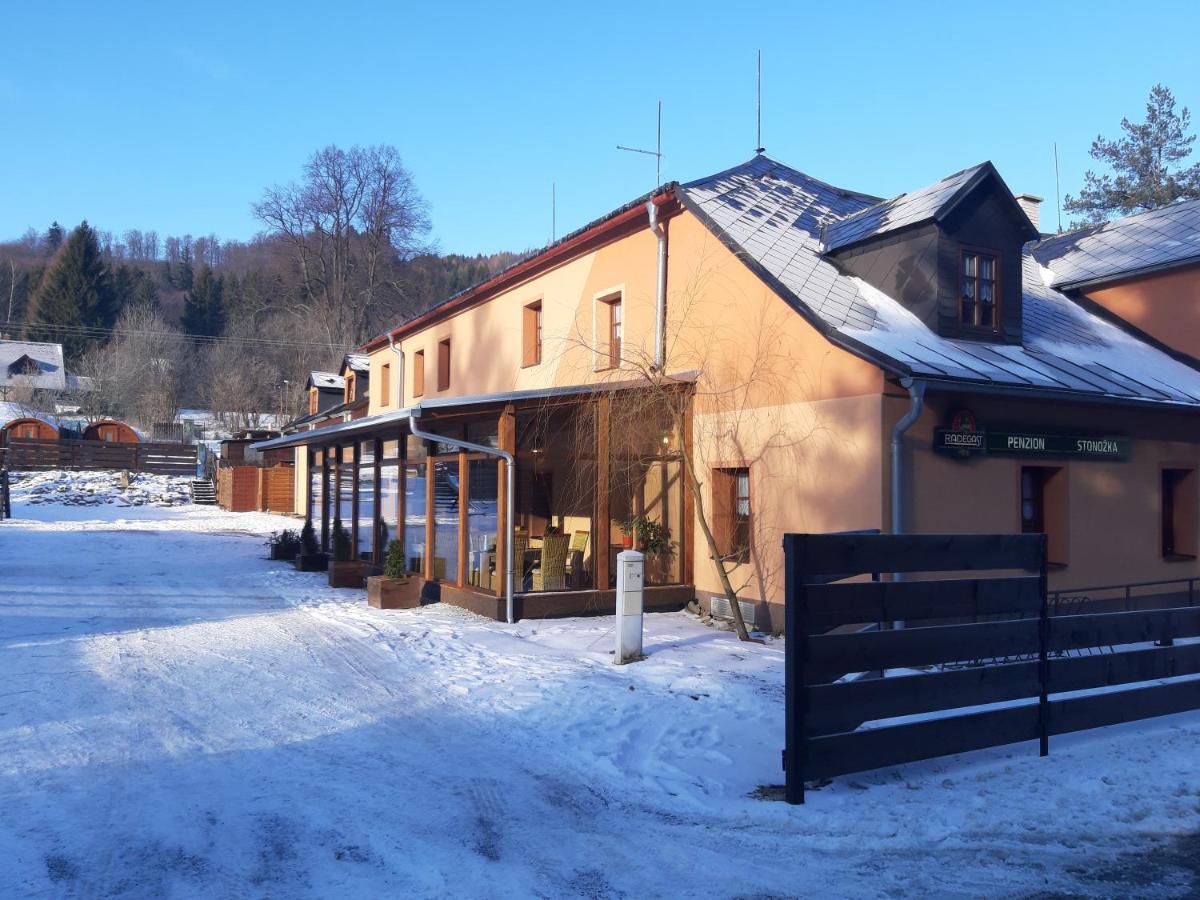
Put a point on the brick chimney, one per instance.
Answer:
(1030, 203)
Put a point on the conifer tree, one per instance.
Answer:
(1146, 164)
(75, 292)
(203, 312)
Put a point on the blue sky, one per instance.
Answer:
(176, 116)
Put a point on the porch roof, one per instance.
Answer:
(354, 427)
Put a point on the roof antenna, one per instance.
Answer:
(758, 147)
(553, 211)
(1057, 188)
(656, 153)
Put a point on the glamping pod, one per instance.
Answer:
(111, 432)
(31, 427)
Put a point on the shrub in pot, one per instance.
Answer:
(344, 570)
(284, 545)
(394, 589)
(310, 558)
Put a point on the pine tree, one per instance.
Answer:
(1145, 163)
(53, 238)
(203, 312)
(75, 292)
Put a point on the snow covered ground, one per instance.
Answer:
(180, 717)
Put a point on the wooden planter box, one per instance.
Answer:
(281, 553)
(316, 563)
(346, 574)
(393, 593)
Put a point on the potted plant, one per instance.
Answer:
(284, 545)
(627, 528)
(344, 570)
(394, 589)
(654, 540)
(310, 558)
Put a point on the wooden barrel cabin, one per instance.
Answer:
(30, 427)
(112, 432)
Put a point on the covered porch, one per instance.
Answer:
(583, 488)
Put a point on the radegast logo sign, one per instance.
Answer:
(964, 438)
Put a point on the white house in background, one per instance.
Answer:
(30, 365)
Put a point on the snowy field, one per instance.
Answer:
(181, 718)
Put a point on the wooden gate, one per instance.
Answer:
(964, 642)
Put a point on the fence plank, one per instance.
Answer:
(833, 655)
(1076, 673)
(874, 748)
(845, 603)
(1113, 629)
(1115, 707)
(844, 706)
(850, 554)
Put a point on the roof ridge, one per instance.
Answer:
(1104, 226)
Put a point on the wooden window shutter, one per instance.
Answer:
(443, 365)
(722, 506)
(531, 350)
(385, 383)
(418, 376)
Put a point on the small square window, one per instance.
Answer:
(979, 296)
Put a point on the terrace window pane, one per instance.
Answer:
(445, 511)
(482, 481)
(389, 499)
(366, 500)
(415, 471)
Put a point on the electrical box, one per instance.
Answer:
(631, 577)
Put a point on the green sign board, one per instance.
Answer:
(1030, 444)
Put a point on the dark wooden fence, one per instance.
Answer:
(970, 641)
(28, 454)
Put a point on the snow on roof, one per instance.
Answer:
(10, 412)
(33, 364)
(772, 216)
(1155, 239)
(900, 212)
(356, 362)
(326, 380)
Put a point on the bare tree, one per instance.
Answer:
(354, 212)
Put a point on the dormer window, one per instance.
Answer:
(979, 293)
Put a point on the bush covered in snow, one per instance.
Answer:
(99, 489)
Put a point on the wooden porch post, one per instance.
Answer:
(601, 528)
(506, 437)
(354, 463)
(401, 506)
(430, 513)
(463, 493)
(687, 538)
(377, 552)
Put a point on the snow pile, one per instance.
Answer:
(99, 488)
(181, 718)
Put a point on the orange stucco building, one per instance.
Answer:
(754, 353)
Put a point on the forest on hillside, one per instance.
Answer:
(164, 322)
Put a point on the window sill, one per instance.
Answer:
(531, 365)
(1055, 566)
(1179, 557)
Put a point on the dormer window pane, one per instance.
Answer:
(979, 290)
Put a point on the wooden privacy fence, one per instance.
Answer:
(254, 488)
(31, 455)
(967, 641)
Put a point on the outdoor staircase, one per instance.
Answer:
(204, 491)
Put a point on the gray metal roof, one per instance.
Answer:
(356, 362)
(771, 216)
(900, 212)
(1157, 239)
(46, 359)
(326, 380)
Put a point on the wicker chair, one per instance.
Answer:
(551, 573)
(575, 554)
(520, 546)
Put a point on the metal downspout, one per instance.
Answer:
(399, 371)
(660, 299)
(510, 500)
(916, 400)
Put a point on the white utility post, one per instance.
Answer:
(631, 576)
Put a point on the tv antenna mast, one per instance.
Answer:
(758, 147)
(656, 152)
